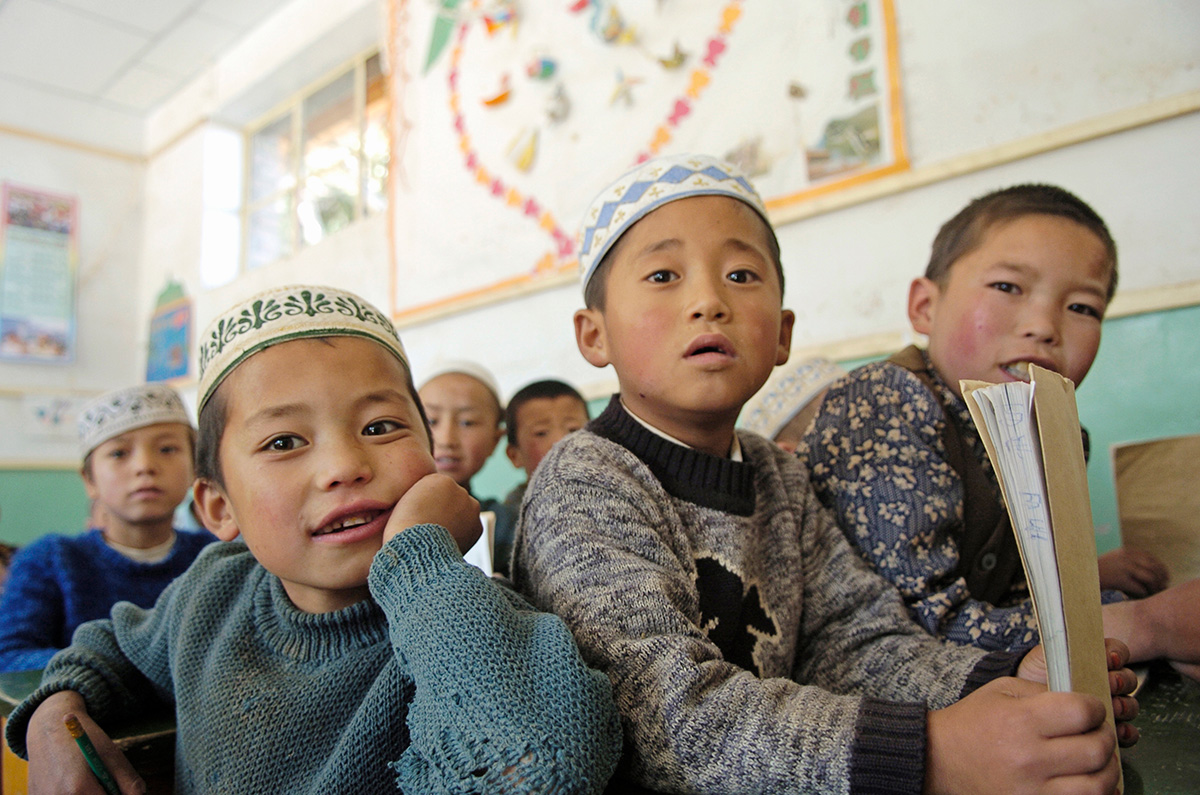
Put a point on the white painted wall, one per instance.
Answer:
(972, 81)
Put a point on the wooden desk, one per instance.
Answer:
(1166, 761)
(148, 742)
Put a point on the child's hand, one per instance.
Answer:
(1011, 736)
(1165, 625)
(1132, 571)
(437, 499)
(1121, 682)
(55, 762)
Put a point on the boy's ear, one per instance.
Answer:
(787, 322)
(89, 485)
(590, 336)
(923, 295)
(514, 455)
(214, 509)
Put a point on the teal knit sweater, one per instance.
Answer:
(443, 682)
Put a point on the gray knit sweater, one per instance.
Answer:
(750, 648)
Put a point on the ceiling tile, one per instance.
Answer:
(190, 46)
(149, 16)
(53, 46)
(140, 89)
(243, 13)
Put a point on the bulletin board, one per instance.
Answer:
(509, 117)
(39, 253)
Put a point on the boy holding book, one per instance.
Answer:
(343, 645)
(749, 647)
(1021, 275)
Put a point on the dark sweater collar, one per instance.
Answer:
(687, 474)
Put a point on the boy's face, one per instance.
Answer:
(692, 320)
(465, 421)
(540, 423)
(322, 439)
(139, 477)
(1033, 291)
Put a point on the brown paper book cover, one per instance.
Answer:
(1032, 436)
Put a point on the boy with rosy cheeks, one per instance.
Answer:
(342, 646)
(750, 648)
(1022, 275)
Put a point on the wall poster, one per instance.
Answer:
(509, 117)
(170, 335)
(39, 253)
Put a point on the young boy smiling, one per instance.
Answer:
(750, 649)
(1021, 275)
(344, 646)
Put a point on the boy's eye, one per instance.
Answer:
(117, 453)
(167, 449)
(1006, 287)
(743, 276)
(661, 277)
(381, 428)
(1085, 309)
(284, 443)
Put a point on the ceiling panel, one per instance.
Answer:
(243, 13)
(53, 46)
(190, 46)
(147, 16)
(140, 89)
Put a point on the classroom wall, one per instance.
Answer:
(980, 88)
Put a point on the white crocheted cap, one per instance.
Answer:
(124, 410)
(287, 313)
(646, 188)
(469, 368)
(789, 389)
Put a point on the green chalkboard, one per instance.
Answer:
(34, 502)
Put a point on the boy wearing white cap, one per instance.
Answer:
(750, 648)
(343, 646)
(137, 447)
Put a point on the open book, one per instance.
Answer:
(1032, 436)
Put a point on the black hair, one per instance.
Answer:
(550, 388)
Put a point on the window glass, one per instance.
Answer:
(271, 169)
(269, 234)
(376, 145)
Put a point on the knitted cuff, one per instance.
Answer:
(992, 666)
(413, 558)
(888, 755)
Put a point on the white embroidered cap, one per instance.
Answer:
(124, 410)
(646, 188)
(283, 314)
(789, 389)
(472, 369)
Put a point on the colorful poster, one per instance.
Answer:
(38, 261)
(170, 341)
(509, 117)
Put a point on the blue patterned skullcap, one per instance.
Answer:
(789, 389)
(648, 187)
(282, 314)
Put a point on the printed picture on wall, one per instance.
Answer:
(508, 117)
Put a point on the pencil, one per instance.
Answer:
(90, 755)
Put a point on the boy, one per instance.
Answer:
(344, 646)
(462, 401)
(750, 649)
(136, 445)
(538, 415)
(1019, 275)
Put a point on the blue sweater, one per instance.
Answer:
(442, 682)
(58, 582)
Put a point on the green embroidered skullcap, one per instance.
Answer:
(283, 314)
(789, 389)
(124, 410)
(649, 186)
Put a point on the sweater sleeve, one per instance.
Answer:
(31, 610)
(878, 462)
(504, 702)
(594, 547)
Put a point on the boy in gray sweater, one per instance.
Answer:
(749, 647)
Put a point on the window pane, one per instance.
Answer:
(330, 129)
(327, 202)
(375, 139)
(271, 159)
(269, 236)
